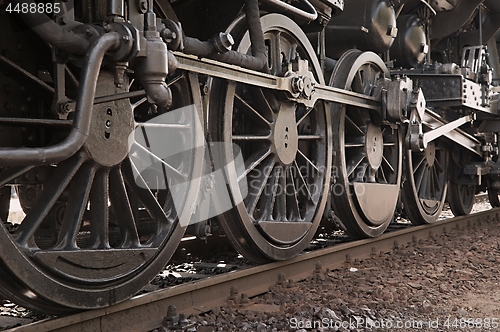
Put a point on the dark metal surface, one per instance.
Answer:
(83, 114)
(368, 25)
(410, 47)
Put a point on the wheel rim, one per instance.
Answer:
(282, 210)
(424, 191)
(493, 193)
(367, 163)
(460, 196)
(119, 224)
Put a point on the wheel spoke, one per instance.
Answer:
(178, 126)
(144, 194)
(266, 204)
(351, 123)
(75, 208)
(12, 173)
(248, 110)
(121, 206)
(305, 116)
(281, 199)
(418, 164)
(264, 101)
(304, 182)
(309, 161)
(171, 171)
(311, 137)
(250, 138)
(99, 211)
(437, 185)
(60, 180)
(139, 102)
(253, 161)
(382, 178)
(255, 191)
(388, 164)
(292, 201)
(354, 164)
(354, 145)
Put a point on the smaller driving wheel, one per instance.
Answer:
(367, 162)
(424, 191)
(494, 192)
(460, 196)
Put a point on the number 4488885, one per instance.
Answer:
(34, 8)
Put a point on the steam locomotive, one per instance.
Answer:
(126, 123)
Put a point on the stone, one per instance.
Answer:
(415, 285)
(443, 288)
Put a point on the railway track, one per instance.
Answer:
(146, 312)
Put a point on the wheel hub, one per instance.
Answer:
(374, 146)
(430, 154)
(285, 135)
(110, 128)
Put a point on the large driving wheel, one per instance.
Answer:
(107, 219)
(368, 154)
(424, 190)
(285, 148)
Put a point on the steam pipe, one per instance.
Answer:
(310, 15)
(83, 113)
(219, 47)
(256, 34)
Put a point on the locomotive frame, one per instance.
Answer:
(128, 122)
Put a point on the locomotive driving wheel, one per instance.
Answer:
(285, 148)
(368, 155)
(118, 221)
(424, 191)
(460, 196)
(494, 192)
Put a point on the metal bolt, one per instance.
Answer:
(126, 39)
(143, 6)
(297, 84)
(227, 40)
(244, 298)
(182, 320)
(223, 42)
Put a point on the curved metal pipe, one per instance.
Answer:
(54, 34)
(83, 113)
(252, 14)
(158, 93)
(311, 15)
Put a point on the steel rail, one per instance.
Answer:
(146, 312)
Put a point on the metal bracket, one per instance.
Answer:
(438, 132)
